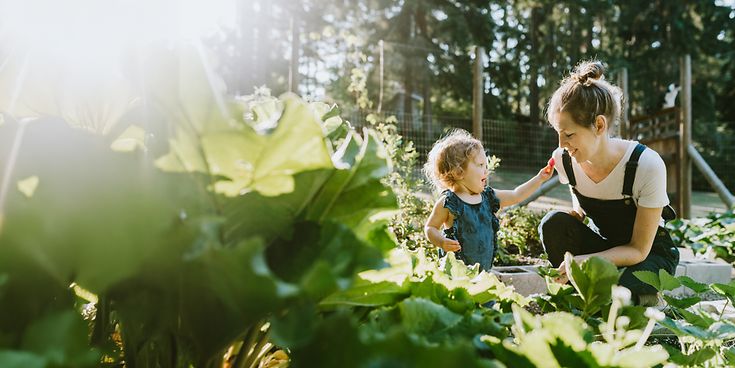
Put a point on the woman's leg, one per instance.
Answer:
(663, 256)
(561, 233)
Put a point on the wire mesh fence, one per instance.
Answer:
(526, 147)
(520, 146)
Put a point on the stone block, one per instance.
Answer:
(706, 272)
(525, 279)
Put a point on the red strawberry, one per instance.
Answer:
(550, 165)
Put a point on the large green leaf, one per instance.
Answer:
(21, 359)
(594, 281)
(267, 162)
(223, 291)
(96, 216)
(368, 295)
(355, 193)
(61, 338)
(318, 257)
(422, 316)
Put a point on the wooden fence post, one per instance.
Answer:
(623, 129)
(477, 89)
(685, 137)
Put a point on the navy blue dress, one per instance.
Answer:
(475, 227)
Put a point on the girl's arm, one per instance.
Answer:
(523, 191)
(439, 216)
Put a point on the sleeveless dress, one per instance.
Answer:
(475, 227)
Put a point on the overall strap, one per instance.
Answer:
(567, 161)
(630, 169)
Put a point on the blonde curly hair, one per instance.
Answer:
(448, 158)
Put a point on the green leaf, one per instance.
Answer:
(422, 316)
(316, 256)
(594, 281)
(649, 278)
(506, 353)
(729, 354)
(224, 290)
(682, 303)
(572, 358)
(681, 329)
(267, 163)
(368, 295)
(668, 282)
(296, 327)
(725, 290)
(21, 359)
(697, 287)
(648, 356)
(61, 338)
(355, 194)
(696, 358)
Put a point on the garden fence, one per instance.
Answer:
(526, 147)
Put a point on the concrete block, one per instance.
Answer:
(525, 279)
(685, 254)
(706, 272)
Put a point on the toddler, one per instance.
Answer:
(457, 164)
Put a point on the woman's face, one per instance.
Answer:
(579, 141)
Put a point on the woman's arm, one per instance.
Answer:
(440, 216)
(644, 232)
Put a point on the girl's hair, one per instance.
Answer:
(585, 94)
(448, 158)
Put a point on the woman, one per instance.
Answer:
(619, 184)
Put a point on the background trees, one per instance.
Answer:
(530, 46)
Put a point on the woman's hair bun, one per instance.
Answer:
(587, 71)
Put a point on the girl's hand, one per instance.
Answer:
(548, 171)
(450, 245)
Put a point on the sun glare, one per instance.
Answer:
(78, 45)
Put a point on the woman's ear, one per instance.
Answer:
(600, 125)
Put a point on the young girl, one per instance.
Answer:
(457, 164)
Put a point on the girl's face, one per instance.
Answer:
(579, 141)
(475, 174)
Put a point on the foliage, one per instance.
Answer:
(414, 206)
(713, 234)
(705, 336)
(518, 237)
(192, 238)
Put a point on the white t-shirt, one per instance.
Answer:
(649, 187)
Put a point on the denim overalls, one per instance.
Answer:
(560, 232)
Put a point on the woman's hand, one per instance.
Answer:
(450, 245)
(576, 215)
(562, 270)
(563, 277)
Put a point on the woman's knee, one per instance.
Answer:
(555, 223)
(554, 234)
